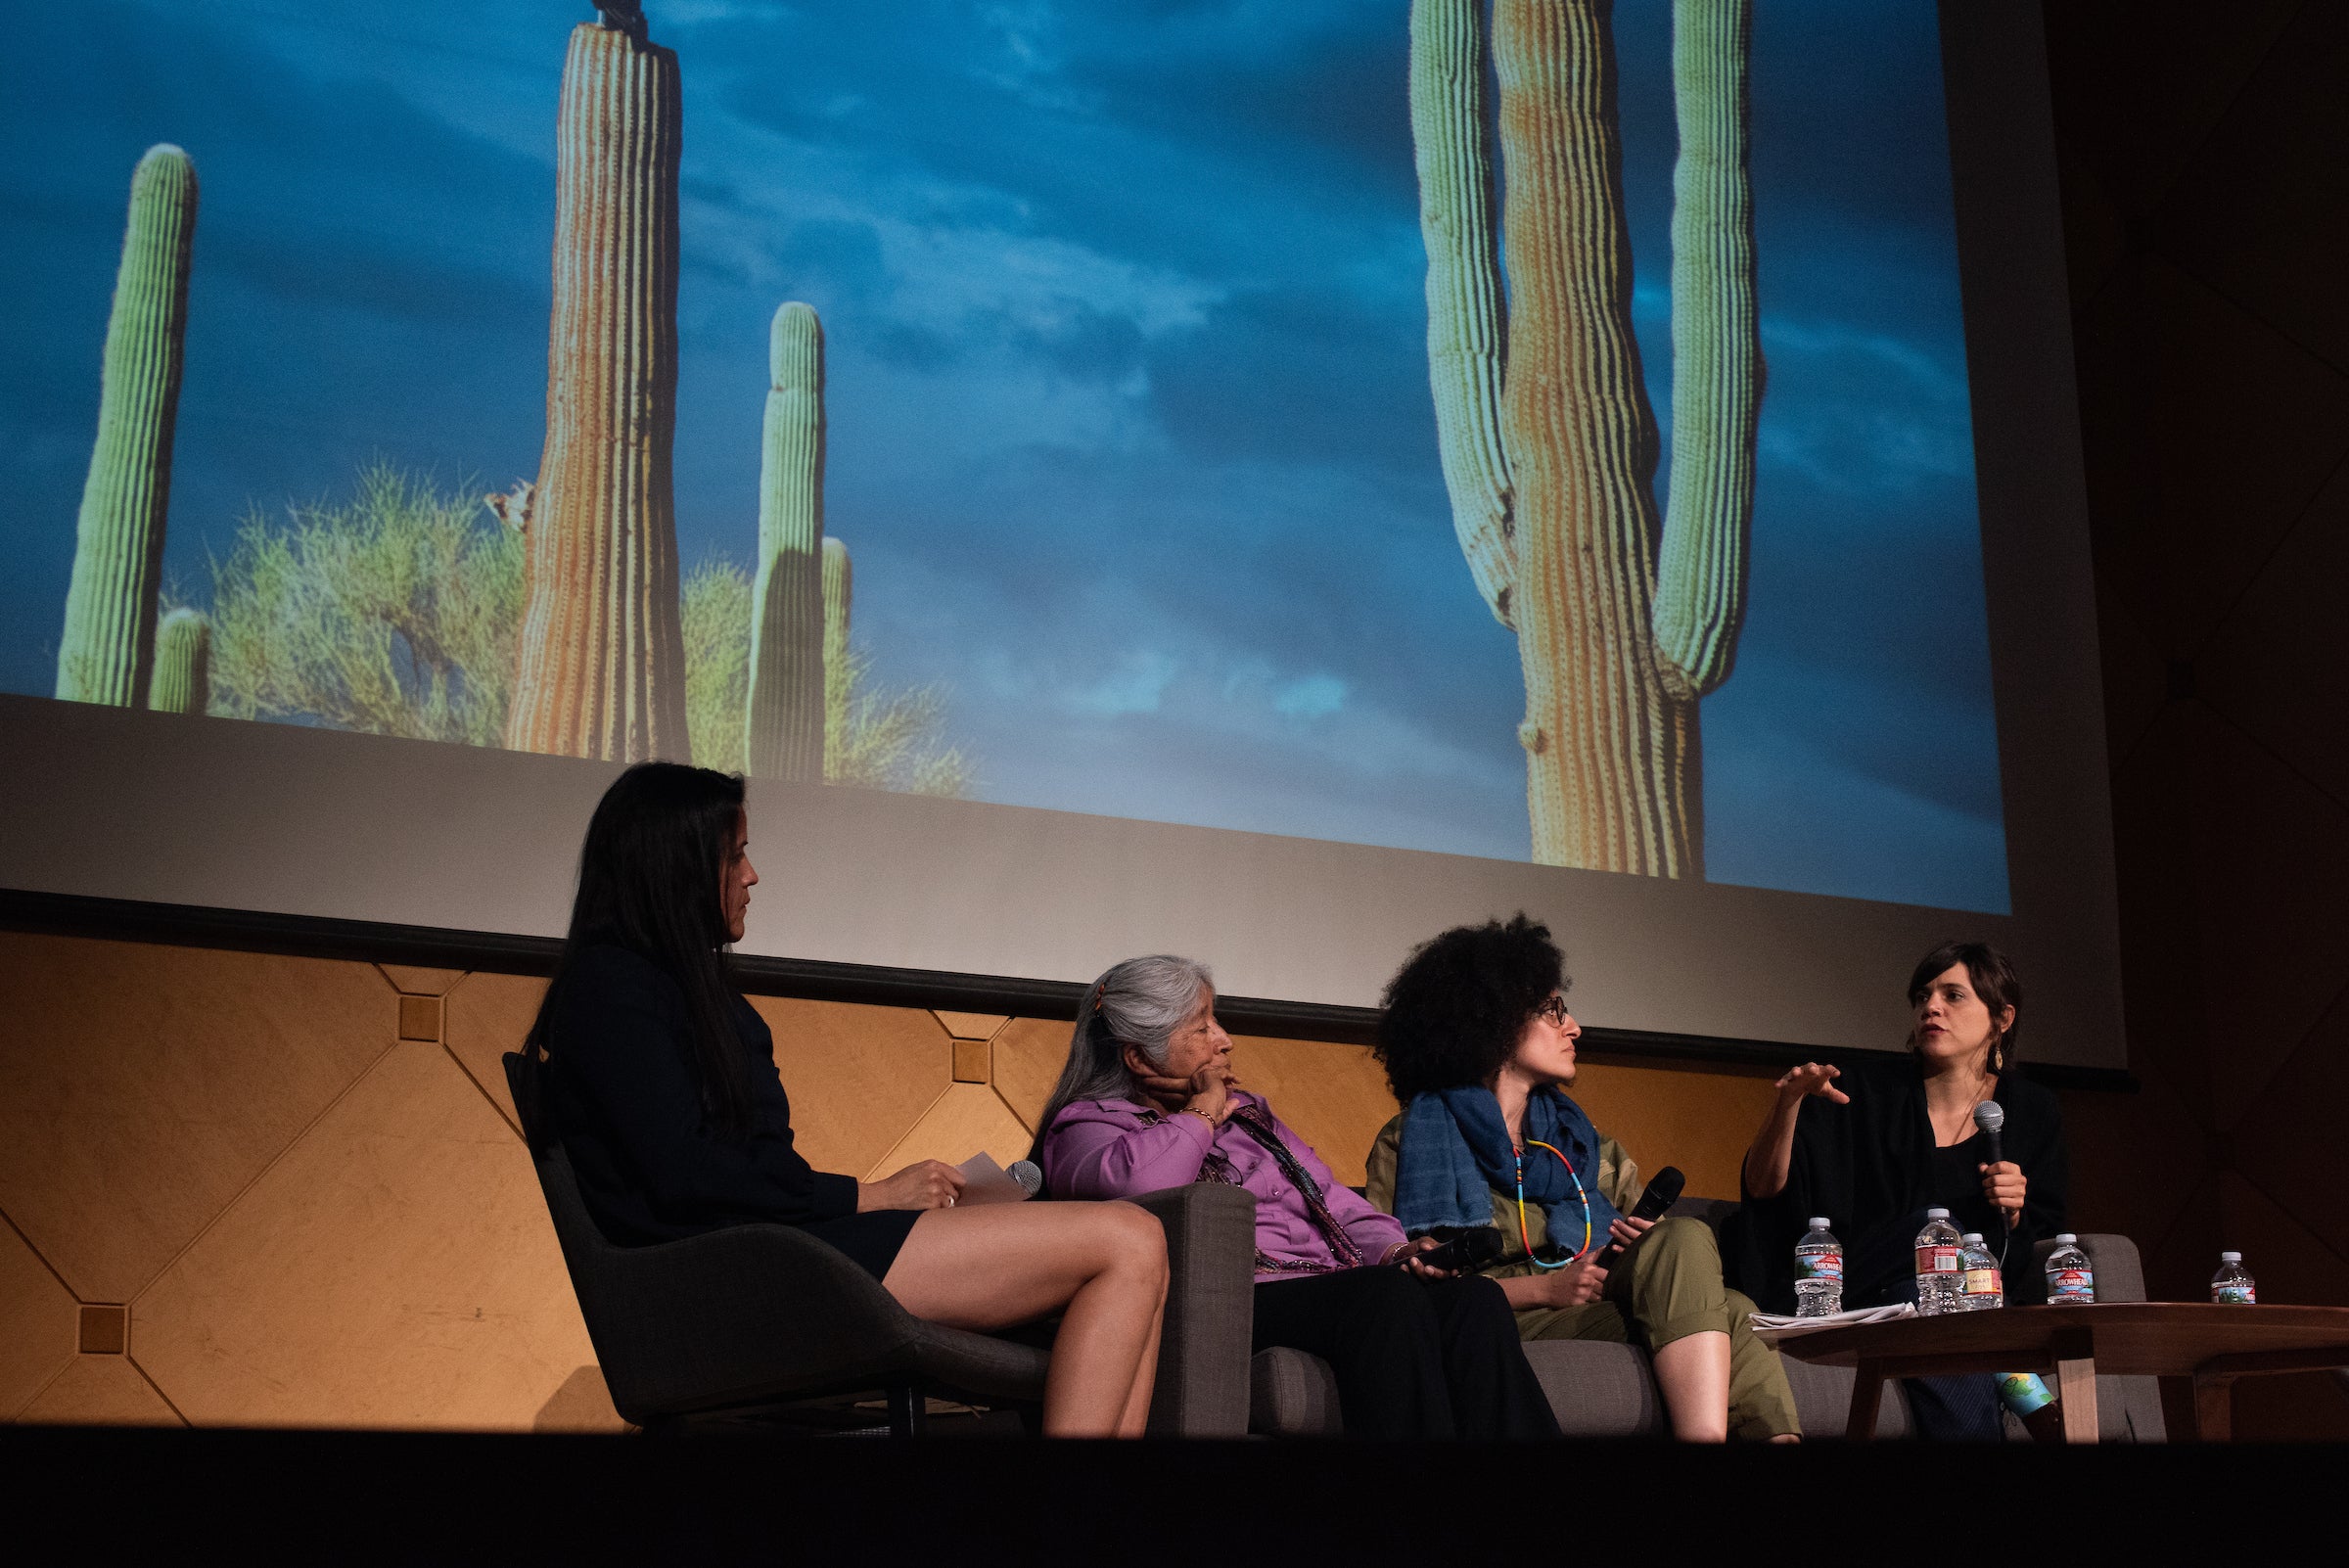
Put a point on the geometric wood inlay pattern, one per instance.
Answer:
(967, 1119)
(410, 980)
(39, 1323)
(395, 1268)
(143, 1086)
(100, 1390)
(858, 1077)
(1028, 1055)
(486, 1015)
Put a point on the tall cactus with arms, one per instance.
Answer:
(600, 665)
(1547, 439)
(107, 650)
(784, 736)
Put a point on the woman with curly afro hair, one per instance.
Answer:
(1480, 1049)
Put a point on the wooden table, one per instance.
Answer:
(2205, 1345)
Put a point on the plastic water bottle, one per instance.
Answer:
(1817, 1273)
(2233, 1286)
(2071, 1282)
(1937, 1277)
(1980, 1288)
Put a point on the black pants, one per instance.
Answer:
(1414, 1358)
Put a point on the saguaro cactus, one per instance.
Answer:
(784, 717)
(839, 581)
(601, 667)
(1550, 460)
(183, 664)
(109, 644)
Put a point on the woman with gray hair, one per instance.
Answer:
(1148, 1100)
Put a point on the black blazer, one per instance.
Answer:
(1868, 1167)
(622, 1096)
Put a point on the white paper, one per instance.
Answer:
(985, 1181)
(1770, 1327)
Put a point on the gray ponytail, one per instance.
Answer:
(1141, 1003)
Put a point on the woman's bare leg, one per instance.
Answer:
(1692, 1373)
(1137, 1418)
(1104, 1265)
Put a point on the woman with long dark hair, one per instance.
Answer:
(1872, 1145)
(1148, 1100)
(661, 1086)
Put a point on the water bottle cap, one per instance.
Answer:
(1971, 1238)
(1937, 1214)
(2230, 1257)
(2064, 1238)
(1819, 1223)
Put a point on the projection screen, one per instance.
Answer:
(1117, 481)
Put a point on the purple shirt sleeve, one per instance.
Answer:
(1101, 1150)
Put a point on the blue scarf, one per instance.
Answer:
(1455, 1155)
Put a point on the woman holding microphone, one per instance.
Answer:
(1872, 1146)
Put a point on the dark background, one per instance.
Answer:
(2204, 157)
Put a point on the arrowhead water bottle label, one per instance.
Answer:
(2236, 1294)
(2070, 1287)
(1820, 1266)
(1937, 1260)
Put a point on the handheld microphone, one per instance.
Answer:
(1464, 1251)
(1026, 1173)
(1991, 1121)
(1663, 1192)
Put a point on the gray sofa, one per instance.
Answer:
(1607, 1389)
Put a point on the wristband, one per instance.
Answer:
(1193, 1110)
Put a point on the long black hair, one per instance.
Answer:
(650, 879)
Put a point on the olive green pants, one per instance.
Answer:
(1667, 1288)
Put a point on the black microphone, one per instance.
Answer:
(1991, 1119)
(1663, 1192)
(1028, 1175)
(1464, 1251)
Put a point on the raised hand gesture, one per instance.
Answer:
(1812, 1077)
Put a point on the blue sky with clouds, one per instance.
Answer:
(1131, 430)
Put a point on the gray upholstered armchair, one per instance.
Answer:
(750, 1321)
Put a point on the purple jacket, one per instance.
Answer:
(1122, 1149)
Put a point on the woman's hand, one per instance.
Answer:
(1580, 1281)
(1207, 1092)
(924, 1184)
(1626, 1230)
(2002, 1183)
(1405, 1255)
(1812, 1077)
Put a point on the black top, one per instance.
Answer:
(1872, 1168)
(622, 1096)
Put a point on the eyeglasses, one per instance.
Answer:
(1555, 1011)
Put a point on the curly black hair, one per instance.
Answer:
(1457, 1009)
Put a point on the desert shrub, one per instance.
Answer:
(395, 613)
(895, 737)
(717, 661)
